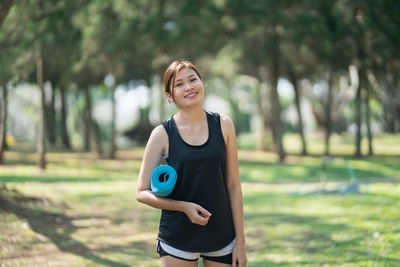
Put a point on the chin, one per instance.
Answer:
(192, 104)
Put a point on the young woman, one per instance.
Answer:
(203, 217)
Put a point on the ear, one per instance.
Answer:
(169, 97)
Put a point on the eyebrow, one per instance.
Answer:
(188, 77)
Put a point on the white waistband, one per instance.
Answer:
(195, 255)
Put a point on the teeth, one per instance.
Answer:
(192, 94)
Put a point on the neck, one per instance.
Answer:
(191, 116)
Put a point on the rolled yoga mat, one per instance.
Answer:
(163, 180)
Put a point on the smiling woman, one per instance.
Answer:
(183, 79)
(188, 89)
(203, 216)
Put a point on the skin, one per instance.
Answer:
(192, 125)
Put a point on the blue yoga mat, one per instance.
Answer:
(163, 180)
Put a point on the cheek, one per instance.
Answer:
(177, 91)
(199, 84)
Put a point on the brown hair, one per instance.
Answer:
(172, 70)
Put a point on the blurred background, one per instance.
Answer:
(82, 71)
(81, 85)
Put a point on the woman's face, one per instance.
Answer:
(188, 89)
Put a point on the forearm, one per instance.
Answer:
(148, 198)
(236, 200)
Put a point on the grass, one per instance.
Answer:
(82, 211)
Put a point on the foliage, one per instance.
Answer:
(84, 41)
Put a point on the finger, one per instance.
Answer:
(201, 220)
(242, 262)
(203, 215)
(234, 259)
(204, 212)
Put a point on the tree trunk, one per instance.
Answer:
(97, 139)
(277, 130)
(5, 145)
(294, 81)
(41, 141)
(358, 117)
(92, 124)
(113, 130)
(396, 97)
(3, 122)
(51, 118)
(4, 9)
(386, 102)
(368, 117)
(398, 118)
(328, 117)
(86, 127)
(260, 145)
(64, 130)
(361, 55)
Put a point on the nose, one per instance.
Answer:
(188, 87)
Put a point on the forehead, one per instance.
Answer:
(185, 73)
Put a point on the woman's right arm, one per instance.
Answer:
(153, 152)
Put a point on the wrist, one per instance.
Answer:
(181, 206)
(240, 241)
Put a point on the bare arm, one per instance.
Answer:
(234, 189)
(155, 148)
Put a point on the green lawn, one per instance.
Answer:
(82, 211)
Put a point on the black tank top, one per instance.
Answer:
(202, 180)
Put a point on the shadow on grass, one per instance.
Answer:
(43, 179)
(109, 165)
(256, 172)
(318, 238)
(54, 155)
(57, 227)
(313, 239)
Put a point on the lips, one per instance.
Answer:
(191, 95)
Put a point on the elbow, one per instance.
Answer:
(232, 187)
(234, 190)
(139, 196)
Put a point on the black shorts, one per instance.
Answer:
(227, 259)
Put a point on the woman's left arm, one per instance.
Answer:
(234, 189)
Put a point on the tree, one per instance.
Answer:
(327, 36)
(3, 120)
(261, 27)
(7, 55)
(5, 6)
(382, 22)
(41, 142)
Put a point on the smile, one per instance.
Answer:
(191, 95)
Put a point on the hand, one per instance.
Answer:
(196, 213)
(239, 257)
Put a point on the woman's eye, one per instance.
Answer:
(179, 85)
(194, 79)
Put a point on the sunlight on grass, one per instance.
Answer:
(344, 144)
(82, 211)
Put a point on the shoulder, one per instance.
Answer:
(158, 132)
(227, 127)
(224, 119)
(158, 136)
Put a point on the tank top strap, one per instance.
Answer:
(214, 124)
(176, 143)
(170, 129)
(213, 120)
(173, 138)
(168, 126)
